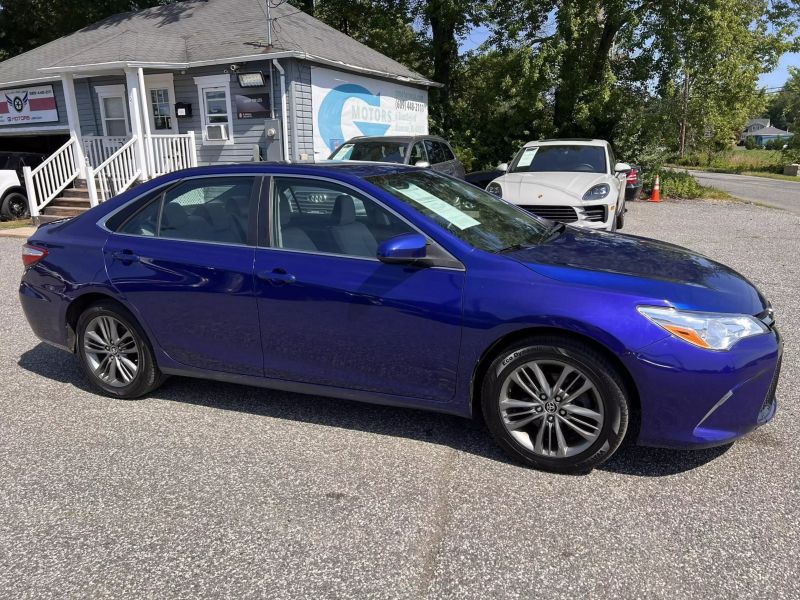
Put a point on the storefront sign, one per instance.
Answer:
(253, 106)
(346, 106)
(29, 105)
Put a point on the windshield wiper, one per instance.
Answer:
(556, 230)
(514, 248)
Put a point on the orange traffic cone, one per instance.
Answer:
(656, 195)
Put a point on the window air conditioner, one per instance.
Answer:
(217, 132)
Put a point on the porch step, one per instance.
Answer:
(71, 201)
(76, 193)
(64, 211)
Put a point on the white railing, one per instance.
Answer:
(49, 179)
(115, 175)
(168, 153)
(98, 148)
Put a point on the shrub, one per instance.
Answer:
(680, 185)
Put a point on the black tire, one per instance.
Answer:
(608, 391)
(15, 206)
(147, 376)
(620, 222)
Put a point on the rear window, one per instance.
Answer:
(377, 151)
(566, 158)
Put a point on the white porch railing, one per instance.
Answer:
(171, 152)
(49, 179)
(114, 175)
(98, 148)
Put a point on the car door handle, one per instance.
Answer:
(125, 256)
(277, 277)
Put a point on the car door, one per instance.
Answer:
(332, 314)
(184, 263)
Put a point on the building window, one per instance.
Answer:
(113, 110)
(214, 95)
(162, 113)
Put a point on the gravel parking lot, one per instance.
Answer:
(208, 489)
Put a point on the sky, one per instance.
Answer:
(774, 79)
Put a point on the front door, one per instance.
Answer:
(332, 314)
(184, 263)
(160, 95)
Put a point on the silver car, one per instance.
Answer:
(419, 150)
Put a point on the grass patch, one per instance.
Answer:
(15, 224)
(737, 160)
(682, 186)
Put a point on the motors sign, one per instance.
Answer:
(29, 105)
(346, 106)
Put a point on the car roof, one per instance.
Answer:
(328, 167)
(567, 141)
(394, 138)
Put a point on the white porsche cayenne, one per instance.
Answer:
(573, 181)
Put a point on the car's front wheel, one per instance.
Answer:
(114, 352)
(555, 404)
(15, 206)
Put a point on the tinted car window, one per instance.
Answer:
(447, 153)
(435, 153)
(564, 158)
(208, 209)
(320, 216)
(418, 153)
(372, 150)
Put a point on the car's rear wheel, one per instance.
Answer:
(15, 206)
(555, 404)
(114, 352)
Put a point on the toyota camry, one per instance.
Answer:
(401, 286)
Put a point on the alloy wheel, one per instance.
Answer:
(551, 408)
(111, 351)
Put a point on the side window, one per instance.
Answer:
(446, 152)
(213, 209)
(418, 153)
(325, 217)
(433, 155)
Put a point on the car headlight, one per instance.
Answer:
(715, 331)
(597, 192)
(494, 188)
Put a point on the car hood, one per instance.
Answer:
(540, 187)
(634, 265)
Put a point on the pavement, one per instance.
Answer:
(17, 232)
(776, 193)
(208, 490)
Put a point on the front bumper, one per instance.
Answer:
(591, 215)
(691, 397)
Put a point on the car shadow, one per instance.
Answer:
(460, 434)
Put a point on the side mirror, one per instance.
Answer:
(422, 164)
(404, 248)
(502, 167)
(622, 168)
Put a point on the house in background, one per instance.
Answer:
(762, 132)
(141, 94)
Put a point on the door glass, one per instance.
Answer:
(210, 209)
(114, 116)
(319, 216)
(162, 111)
(418, 153)
(435, 154)
(446, 152)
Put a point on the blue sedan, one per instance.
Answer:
(401, 286)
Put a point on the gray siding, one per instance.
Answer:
(61, 124)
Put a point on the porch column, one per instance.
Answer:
(73, 120)
(135, 102)
(148, 141)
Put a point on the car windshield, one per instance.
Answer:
(474, 216)
(564, 158)
(373, 150)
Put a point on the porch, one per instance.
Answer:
(140, 140)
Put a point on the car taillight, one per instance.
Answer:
(32, 254)
(633, 176)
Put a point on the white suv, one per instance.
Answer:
(573, 181)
